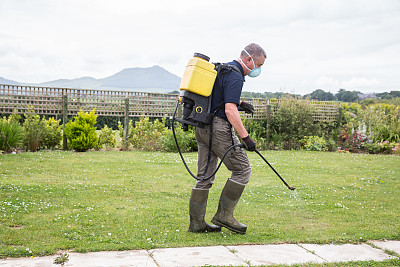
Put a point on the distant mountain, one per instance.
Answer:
(153, 79)
(79, 83)
(5, 81)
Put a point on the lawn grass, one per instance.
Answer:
(51, 201)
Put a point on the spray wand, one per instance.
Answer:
(291, 188)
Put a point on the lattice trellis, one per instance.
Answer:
(49, 101)
(323, 110)
(23, 99)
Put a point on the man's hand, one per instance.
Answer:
(249, 144)
(246, 107)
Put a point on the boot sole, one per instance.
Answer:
(205, 230)
(228, 227)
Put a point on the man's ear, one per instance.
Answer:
(248, 59)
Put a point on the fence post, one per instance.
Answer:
(126, 124)
(340, 116)
(268, 120)
(65, 117)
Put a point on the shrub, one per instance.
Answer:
(121, 129)
(122, 132)
(11, 135)
(15, 118)
(352, 116)
(257, 130)
(53, 134)
(106, 138)
(145, 134)
(81, 133)
(314, 143)
(34, 130)
(385, 147)
(396, 149)
(186, 140)
(292, 121)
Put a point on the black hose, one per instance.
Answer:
(209, 154)
(208, 161)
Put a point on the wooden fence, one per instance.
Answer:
(66, 101)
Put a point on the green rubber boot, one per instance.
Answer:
(197, 211)
(229, 198)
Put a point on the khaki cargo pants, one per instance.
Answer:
(236, 161)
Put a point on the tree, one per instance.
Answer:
(321, 95)
(395, 93)
(347, 96)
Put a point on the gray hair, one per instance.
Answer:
(254, 50)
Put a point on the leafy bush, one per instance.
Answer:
(384, 147)
(145, 135)
(11, 135)
(352, 116)
(53, 135)
(396, 149)
(81, 133)
(292, 121)
(34, 130)
(122, 132)
(106, 138)
(121, 129)
(186, 140)
(257, 130)
(314, 143)
(15, 118)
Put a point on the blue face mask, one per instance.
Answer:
(255, 71)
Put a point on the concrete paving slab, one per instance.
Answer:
(112, 258)
(93, 259)
(28, 262)
(392, 245)
(274, 254)
(347, 252)
(195, 256)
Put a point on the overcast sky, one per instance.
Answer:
(310, 44)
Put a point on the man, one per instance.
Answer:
(225, 99)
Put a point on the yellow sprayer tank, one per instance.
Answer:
(199, 75)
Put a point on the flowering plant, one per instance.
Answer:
(352, 142)
(385, 147)
(396, 149)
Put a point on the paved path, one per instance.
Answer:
(246, 255)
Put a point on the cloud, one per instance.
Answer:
(327, 82)
(310, 44)
(360, 83)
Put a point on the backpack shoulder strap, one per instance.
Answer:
(225, 68)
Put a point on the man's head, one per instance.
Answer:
(252, 58)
